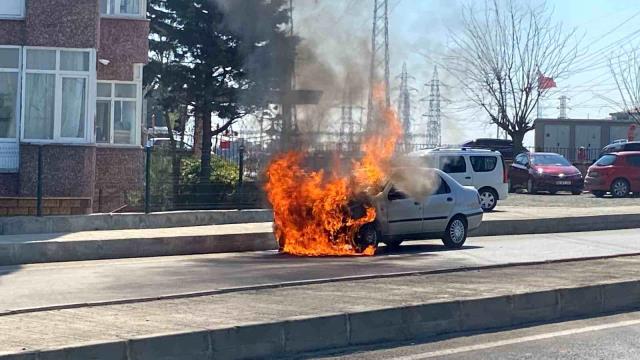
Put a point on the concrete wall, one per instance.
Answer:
(119, 172)
(68, 171)
(62, 23)
(123, 42)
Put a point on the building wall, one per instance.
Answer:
(123, 42)
(11, 32)
(119, 174)
(8, 184)
(62, 23)
(68, 170)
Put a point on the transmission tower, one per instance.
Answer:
(434, 123)
(404, 106)
(379, 58)
(347, 125)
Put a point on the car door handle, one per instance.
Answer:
(416, 203)
(468, 177)
(449, 199)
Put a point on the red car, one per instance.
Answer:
(617, 173)
(544, 172)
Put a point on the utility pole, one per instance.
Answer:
(434, 123)
(404, 107)
(379, 59)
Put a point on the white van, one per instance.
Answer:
(482, 169)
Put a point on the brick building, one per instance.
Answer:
(71, 82)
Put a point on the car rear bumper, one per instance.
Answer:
(474, 220)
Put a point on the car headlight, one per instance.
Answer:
(540, 171)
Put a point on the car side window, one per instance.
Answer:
(395, 194)
(634, 160)
(520, 159)
(483, 163)
(453, 164)
(632, 147)
(443, 188)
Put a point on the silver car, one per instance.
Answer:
(433, 205)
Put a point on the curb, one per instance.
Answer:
(59, 251)
(329, 331)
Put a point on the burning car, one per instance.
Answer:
(428, 205)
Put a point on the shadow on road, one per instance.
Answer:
(419, 249)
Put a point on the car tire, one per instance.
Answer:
(620, 188)
(576, 192)
(456, 232)
(531, 187)
(393, 244)
(367, 236)
(488, 199)
(598, 193)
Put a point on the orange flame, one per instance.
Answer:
(310, 207)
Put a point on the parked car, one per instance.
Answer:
(617, 173)
(544, 172)
(504, 146)
(448, 212)
(483, 169)
(619, 146)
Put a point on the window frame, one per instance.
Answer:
(21, 15)
(136, 127)
(483, 157)
(89, 77)
(442, 164)
(18, 93)
(118, 15)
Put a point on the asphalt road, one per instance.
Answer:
(565, 199)
(51, 284)
(611, 337)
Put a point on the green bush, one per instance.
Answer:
(222, 171)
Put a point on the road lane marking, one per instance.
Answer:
(494, 344)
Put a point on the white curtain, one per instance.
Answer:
(124, 122)
(103, 121)
(73, 107)
(8, 102)
(130, 7)
(40, 105)
(74, 61)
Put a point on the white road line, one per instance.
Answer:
(489, 345)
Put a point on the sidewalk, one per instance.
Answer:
(112, 244)
(269, 322)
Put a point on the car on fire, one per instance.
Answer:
(433, 205)
(538, 171)
(617, 173)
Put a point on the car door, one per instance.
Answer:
(634, 172)
(485, 170)
(404, 214)
(437, 208)
(456, 166)
(519, 171)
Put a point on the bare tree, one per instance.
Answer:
(626, 72)
(500, 56)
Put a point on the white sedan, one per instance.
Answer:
(422, 204)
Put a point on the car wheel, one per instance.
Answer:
(576, 192)
(456, 233)
(488, 199)
(367, 236)
(620, 188)
(393, 244)
(531, 188)
(598, 193)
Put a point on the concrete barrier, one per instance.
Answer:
(415, 322)
(66, 224)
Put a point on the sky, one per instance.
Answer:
(338, 29)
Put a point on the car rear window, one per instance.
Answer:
(606, 160)
(484, 163)
(453, 164)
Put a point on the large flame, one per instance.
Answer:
(311, 216)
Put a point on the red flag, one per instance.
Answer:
(545, 83)
(225, 145)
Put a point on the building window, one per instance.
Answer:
(12, 9)
(118, 113)
(9, 85)
(122, 7)
(56, 95)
